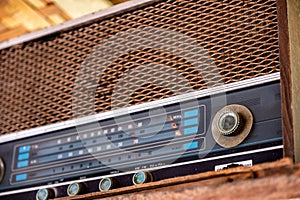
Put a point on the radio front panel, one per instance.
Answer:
(177, 133)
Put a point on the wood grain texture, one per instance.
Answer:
(33, 15)
(23, 16)
(283, 187)
(15, 32)
(294, 38)
(78, 8)
(284, 167)
(286, 84)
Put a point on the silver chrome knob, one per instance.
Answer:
(106, 184)
(141, 178)
(229, 123)
(44, 194)
(75, 189)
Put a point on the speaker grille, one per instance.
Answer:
(38, 77)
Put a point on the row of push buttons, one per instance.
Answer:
(23, 156)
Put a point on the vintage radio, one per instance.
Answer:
(143, 91)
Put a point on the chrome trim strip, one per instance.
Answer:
(155, 168)
(123, 7)
(140, 107)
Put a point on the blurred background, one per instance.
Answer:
(18, 17)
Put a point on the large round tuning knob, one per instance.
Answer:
(231, 125)
(2, 169)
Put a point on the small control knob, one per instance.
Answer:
(2, 169)
(75, 189)
(45, 194)
(106, 184)
(141, 178)
(229, 123)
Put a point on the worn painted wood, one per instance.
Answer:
(294, 49)
(289, 42)
(286, 84)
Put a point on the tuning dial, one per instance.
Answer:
(2, 169)
(45, 194)
(231, 125)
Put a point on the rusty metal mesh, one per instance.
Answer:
(37, 78)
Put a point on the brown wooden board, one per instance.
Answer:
(286, 85)
(175, 186)
(294, 40)
(289, 43)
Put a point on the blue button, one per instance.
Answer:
(191, 113)
(189, 122)
(21, 177)
(191, 130)
(191, 145)
(24, 149)
(23, 156)
(23, 164)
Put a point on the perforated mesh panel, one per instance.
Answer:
(37, 78)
